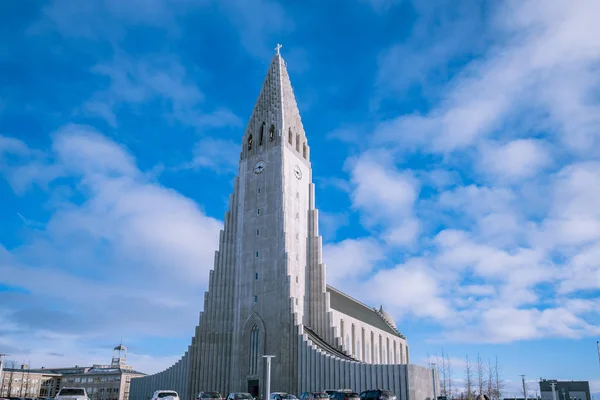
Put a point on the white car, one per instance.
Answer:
(165, 395)
(71, 394)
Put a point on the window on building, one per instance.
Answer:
(304, 150)
(262, 132)
(296, 301)
(256, 276)
(258, 211)
(257, 254)
(297, 142)
(250, 142)
(290, 135)
(258, 190)
(255, 298)
(296, 279)
(272, 133)
(257, 232)
(254, 349)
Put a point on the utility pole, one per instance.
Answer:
(268, 379)
(524, 387)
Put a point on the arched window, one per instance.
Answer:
(254, 350)
(297, 142)
(262, 133)
(304, 149)
(250, 142)
(290, 135)
(272, 133)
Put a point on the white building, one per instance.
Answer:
(267, 292)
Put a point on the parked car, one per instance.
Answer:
(165, 395)
(313, 396)
(377, 394)
(282, 396)
(71, 394)
(209, 396)
(239, 396)
(344, 395)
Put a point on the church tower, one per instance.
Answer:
(268, 277)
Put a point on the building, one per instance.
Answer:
(565, 390)
(267, 292)
(102, 382)
(25, 382)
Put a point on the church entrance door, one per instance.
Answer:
(253, 387)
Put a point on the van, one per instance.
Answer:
(71, 394)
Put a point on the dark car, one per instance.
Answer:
(344, 396)
(313, 396)
(377, 394)
(239, 396)
(209, 396)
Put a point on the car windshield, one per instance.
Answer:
(71, 392)
(210, 395)
(243, 396)
(167, 394)
(320, 395)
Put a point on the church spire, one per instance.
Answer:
(275, 119)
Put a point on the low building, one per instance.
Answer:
(102, 382)
(565, 390)
(26, 382)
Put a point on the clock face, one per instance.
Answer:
(259, 167)
(297, 172)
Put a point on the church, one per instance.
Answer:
(267, 292)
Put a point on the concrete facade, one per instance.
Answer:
(267, 292)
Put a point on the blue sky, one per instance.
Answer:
(455, 149)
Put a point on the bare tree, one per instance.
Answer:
(490, 379)
(480, 374)
(441, 362)
(468, 379)
(449, 376)
(498, 381)
(11, 365)
(22, 379)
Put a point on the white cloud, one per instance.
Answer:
(385, 197)
(139, 81)
(122, 240)
(217, 154)
(350, 259)
(517, 159)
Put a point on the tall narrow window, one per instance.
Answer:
(257, 254)
(262, 133)
(272, 133)
(257, 232)
(258, 190)
(250, 142)
(297, 142)
(254, 349)
(290, 135)
(256, 275)
(258, 211)
(304, 150)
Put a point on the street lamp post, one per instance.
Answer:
(268, 378)
(432, 366)
(553, 384)
(524, 387)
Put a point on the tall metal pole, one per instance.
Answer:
(432, 366)
(524, 387)
(553, 384)
(268, 378)
(598, 347)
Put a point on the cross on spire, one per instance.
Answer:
(277, 48)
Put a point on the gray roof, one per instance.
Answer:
(347, 305)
